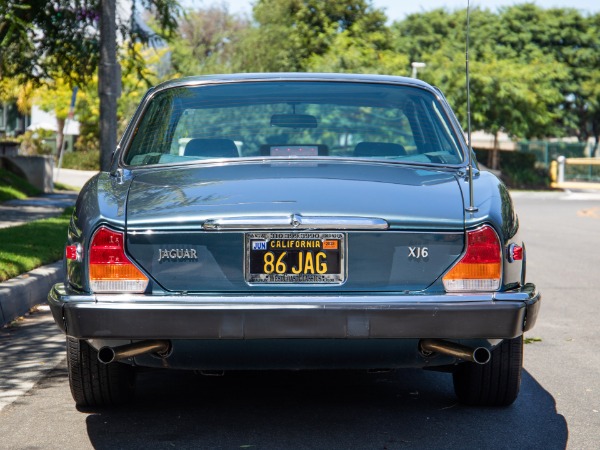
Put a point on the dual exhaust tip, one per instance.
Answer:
(161, 348)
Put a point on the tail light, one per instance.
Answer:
(110, 269)
(480, 268)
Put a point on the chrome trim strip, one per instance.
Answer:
(296, 222)
(59, 295)
(249, 223)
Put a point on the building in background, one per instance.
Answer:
(12, 122)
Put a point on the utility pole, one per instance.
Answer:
(109, 82)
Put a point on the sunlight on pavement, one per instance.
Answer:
(591, 212)
(29, 349)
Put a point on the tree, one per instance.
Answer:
(40, 39)
(134, 86)
(290, 32)
(590, 84)
(207, 41)
(518, 98)
(423, 34)
(570, 39)
(43, 40)
(533, 70)
(13, 90)
(590, 112)
(368, 54)
(55, 97)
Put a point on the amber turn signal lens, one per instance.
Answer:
(480, 269)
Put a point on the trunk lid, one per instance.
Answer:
(171, 217)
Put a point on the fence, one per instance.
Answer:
(575, 173)
(546, 151)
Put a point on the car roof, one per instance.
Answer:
(292, 76)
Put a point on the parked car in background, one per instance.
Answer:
(294, 221)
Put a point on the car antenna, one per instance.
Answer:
(471, 208)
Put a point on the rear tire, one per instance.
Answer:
(93, 383)
(496, 383)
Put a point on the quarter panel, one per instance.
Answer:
(101, 201)
(494, 206)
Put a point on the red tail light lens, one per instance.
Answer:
(480, 269)
(110, 269)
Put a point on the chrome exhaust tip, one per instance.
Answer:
(107, 355)
(481, 355)
(478, 355)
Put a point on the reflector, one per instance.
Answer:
(515, 253)
(71, 252)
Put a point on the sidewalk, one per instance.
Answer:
(18, 295)
(17, 212)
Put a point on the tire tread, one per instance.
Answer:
(496, 383)
(93, 383)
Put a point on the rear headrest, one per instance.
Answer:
(211, 148)
(379, 149)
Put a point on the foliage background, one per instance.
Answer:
(535, 72)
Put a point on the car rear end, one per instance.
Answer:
(292, 224)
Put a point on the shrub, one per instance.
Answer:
(519, 170)
(35, 142)
(87, 141)
(82, 160)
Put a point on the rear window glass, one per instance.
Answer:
(294, 119)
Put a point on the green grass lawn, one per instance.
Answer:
(25, 247)
(64, 187)
(14, 187)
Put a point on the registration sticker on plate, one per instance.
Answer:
(295, 258)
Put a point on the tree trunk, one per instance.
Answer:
(494, 155)
(108, 82)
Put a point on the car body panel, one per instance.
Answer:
(184, 199)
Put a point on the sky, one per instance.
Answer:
(398, 9)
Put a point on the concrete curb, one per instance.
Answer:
(18, 295)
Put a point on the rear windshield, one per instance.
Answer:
(294, 119)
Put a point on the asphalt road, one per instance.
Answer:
(558, 406)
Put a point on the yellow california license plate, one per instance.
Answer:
(296, 258)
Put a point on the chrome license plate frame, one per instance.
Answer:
(310, 258)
